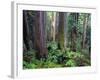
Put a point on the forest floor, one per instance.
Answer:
(56, 58)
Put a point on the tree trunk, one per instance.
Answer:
(65, 29)
(26, 32)
(53, 25)
(84, 30)
(40, 35)
(61, 31)
(74, 31)
(57, 24)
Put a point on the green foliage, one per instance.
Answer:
(27, 65)
(49, 64)
(70, 63)
(53, 45)
(56, 58)
(29, 55)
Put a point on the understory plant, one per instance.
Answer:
(56, 58)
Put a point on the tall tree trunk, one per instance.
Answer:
(74, 31)
(45, 26)
(40, 36)
(57, 24)
(84, 30)
(53, 25)
(26, 32)
(61, 31)
(65, 29)
(31, 19)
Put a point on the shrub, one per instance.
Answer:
(29, 55)
(27, 65)
(70, 63)
(52, 45)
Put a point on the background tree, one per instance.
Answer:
(73, 23)
(84, 30)
(53, 25)
(26, 35)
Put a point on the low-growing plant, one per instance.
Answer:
(70, 63)
(56, 58)
(29, 55)
(27, 65)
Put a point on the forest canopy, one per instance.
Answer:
(56, 39)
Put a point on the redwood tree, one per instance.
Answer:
(40, 41)
(61, 30)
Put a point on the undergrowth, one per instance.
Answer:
(56, 58)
